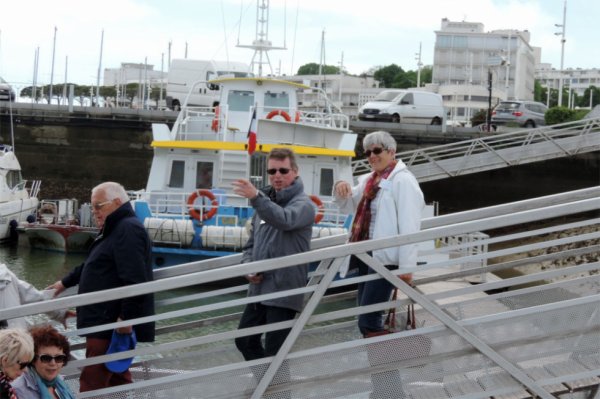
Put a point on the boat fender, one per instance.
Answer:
(297, 118)
(215, 122)
(195, 213)
(279, 112)
(320, 208)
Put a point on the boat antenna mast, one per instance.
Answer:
(261, 44)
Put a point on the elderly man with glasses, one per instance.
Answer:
(121, 255)
(281, 225)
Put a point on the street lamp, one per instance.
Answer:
(562, 52)
(493, 61)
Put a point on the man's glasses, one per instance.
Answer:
(101, 204)
(49, 358)
(283, 171)
(376, 151)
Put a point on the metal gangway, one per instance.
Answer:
(535, 333)
(499, 150)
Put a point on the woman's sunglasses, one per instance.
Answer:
(283, 171)
(23, 365)
(376, 151)
(48, 358)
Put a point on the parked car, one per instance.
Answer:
(522, 113)
(6, 92)
(406, 106)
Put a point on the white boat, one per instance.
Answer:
(60, 226)
(188, 206)
(17, 199)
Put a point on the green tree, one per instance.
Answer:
(539, 92)
(584, 101)
(313, 69)
(387, 75)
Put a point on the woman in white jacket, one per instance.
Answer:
(386, 202)
(16, 292)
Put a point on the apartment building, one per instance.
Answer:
(467, 59)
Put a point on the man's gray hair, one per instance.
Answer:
(381, 138)
(112, 191)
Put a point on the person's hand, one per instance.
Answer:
(254, 278)
(58, 288)
(343, 189)
(68, 314)
(124, 329)
(407, 278)
(244, 188)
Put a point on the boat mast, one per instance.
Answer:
(261, 44)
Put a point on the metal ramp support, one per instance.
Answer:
(499, 151)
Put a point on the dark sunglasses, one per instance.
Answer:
(376, 151)
(283, 171)
(23, 365)
(48, 358)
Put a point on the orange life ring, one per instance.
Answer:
(215, 122)
(279, 112)
(195, 213)
(320, 208)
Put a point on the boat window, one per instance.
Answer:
(240, 100)
(13, 178)
(204, 175)
(276, 101)
(326, 182)
(177, 173)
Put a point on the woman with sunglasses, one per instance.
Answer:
(16, 351)
(42, 380)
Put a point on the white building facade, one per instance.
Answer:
(130, 72)
(465, 56)
(575, 80)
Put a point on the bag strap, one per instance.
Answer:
(390, 320)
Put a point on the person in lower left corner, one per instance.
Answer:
(16, 352)
(41, 379)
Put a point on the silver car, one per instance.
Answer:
(522, 113)
(6, 92)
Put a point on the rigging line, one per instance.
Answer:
(295, 32)
(238, 24)
(225, 33)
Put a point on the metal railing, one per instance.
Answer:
(498, 151)
(502, 337)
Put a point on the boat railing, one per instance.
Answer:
(32, 187)
(535, 333)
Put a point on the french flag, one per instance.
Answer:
(252, 134)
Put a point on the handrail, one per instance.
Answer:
(445, 316)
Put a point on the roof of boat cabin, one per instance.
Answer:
(259, 81)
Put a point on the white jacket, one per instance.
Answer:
(399, 205)
(16, 292)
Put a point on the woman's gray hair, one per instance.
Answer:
(15, 344)
(381, 138)
(112, 191)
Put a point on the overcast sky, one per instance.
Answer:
(368, 33)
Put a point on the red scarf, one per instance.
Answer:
(362, 220)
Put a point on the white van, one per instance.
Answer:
(183, 73)
(404, 106)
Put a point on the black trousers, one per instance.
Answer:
(256, 314)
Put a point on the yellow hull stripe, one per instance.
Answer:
(265, 148)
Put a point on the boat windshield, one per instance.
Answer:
(240, 100)
(277, 101)
(387, 95)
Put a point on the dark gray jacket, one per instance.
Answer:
(282, 225)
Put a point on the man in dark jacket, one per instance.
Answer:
(281, 225)
(120, 256)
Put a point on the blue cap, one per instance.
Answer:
(120, 343)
